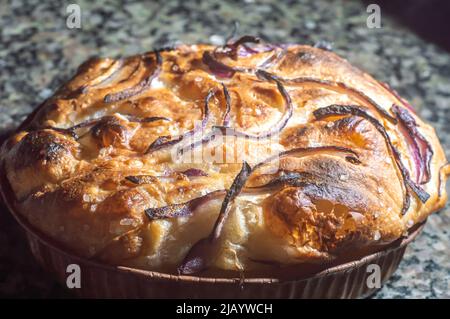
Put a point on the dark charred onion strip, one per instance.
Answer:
(165, 141)
(420, 149)
(199, 256)
(183, 209)
(334, 110)
(419, 191)
(142, 179)
(226, 116)
(296, 179)
(246, 50)
(347, 153)
(105, 76)
(131, 118)
(149, 119)
(231, 49)
(140, 87)
(162, 142)
(192, 172)
(232, 193)
(223, 70)
(243, 40)
(71, 130)
(218, 68)
(149, 179)
(205, 140)
(241, 47)
(334, 86)
(227, 131)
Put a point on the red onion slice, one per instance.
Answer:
(218, 68)
(199, 256)
(273, 59)
(148, 119)
(165, 141)
(194, 172)
(141, 86)
(420, 149)
(183, 209)
(149, 179)
(143, 179)
(333, 110)
(231, 49)
(226, 116)
(108, 74)
(349, 155)
(91, 122)
(245, 50)
(296, 179)
(334, 86)
(227, 131)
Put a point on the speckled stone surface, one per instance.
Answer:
(38, 52)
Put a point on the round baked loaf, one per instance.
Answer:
(210, 159)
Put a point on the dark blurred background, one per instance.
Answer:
(430, 19)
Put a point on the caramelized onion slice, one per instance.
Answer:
(231, 49)
(349, 155)
(132, 118)
(296, 179)
(148, 119)
(420, 148)
(335, 109)
(113, 68)
(149, 179)
(227, 131)
(273, 59)
(141, 86)
(218, 68)
(165, 141)
(246, 50)
(199, 256)
(183, 209)
(232, 193)
(336, 86)
(141, 179)
(162, 142)
(194, 172)
(226, 116)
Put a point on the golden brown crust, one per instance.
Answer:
(70, 179)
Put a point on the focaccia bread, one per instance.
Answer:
(235, 158)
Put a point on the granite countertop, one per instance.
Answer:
(38, 53)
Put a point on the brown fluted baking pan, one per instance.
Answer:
(346, 280)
